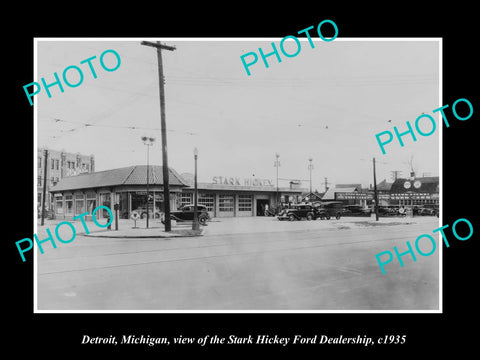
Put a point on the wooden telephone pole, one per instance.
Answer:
(163, 126)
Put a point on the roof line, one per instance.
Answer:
(130, 173)
(179, 177)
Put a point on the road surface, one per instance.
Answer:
(301, 266)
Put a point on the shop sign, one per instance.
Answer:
(394, 196)
(410, 196)
(352, 196)
(236, 181)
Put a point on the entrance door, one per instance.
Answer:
(261, 206)
(225, 205)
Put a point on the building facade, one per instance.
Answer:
(415, 191)
(406, 192)
(235, 197)
(59, 164)
(127, 187)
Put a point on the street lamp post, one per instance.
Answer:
(277, 164)
(375, 194)
(195, 224)
(149, 142)
(310, 167)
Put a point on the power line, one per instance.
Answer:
(87, 125)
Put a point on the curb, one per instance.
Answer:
(173, 234)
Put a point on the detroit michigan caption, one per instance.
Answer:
(362, 340)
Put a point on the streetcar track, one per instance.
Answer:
(246, 241)
(194, 258)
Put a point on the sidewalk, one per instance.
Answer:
(126, 229)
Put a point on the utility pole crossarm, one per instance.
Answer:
(158, 45)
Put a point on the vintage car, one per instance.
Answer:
(329, 209)
(429, 209)
(355, 210)
(298, 212)
(186, 213)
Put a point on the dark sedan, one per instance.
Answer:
(186, 213)
(297, 212)
(355, 210)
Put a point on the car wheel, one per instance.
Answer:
(328, 217)
(309, 216)
(202, 220)
(142, 215)
(322, 217)
(157, 216)
(337, 216)
(291, 217)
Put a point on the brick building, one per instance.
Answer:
(60, 164)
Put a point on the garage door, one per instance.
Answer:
(245, 205)
(225, 205)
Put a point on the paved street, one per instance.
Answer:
(244, 264)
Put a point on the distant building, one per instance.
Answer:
(383, 192)
(348, 194)
(60, 164)
(416, 191)
(312, 197)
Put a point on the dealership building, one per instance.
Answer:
(127, 187)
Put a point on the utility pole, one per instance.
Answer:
(45, 164)
(277, 164)
(395, 174)
(166, 190)
(310, 167)
(149, 142)
(375, 196)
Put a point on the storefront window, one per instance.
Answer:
(225, 203)
(123, 205)
(68, 204)
(59, 205)
(244, 202)
(184, 199)
(105, 201)
(91, 202)
(208, 200)
(79, 204)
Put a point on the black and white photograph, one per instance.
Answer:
(205, 181)
(279, 195)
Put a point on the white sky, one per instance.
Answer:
(239, 122)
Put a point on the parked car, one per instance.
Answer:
(329, 209)
(355, 210)
(298, 212)
(186, 213)
(386, 211)
(428, 211)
